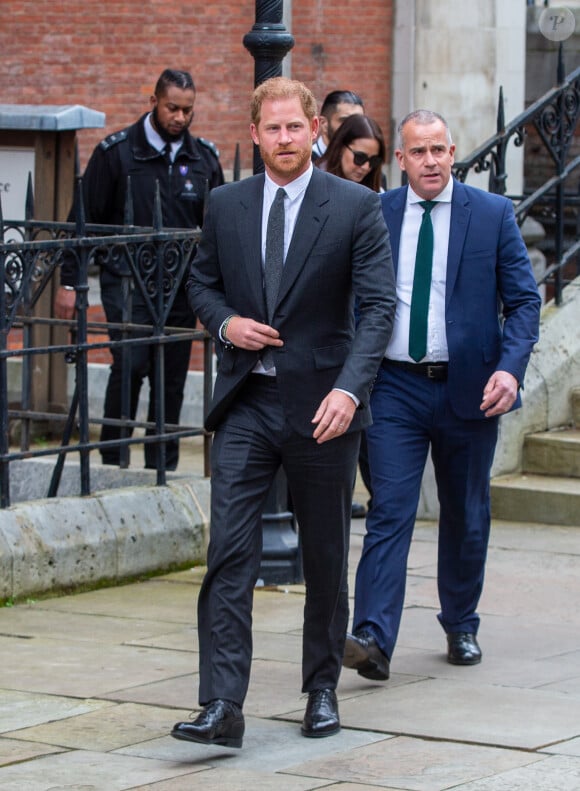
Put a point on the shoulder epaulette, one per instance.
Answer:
(208, 144)
(112, 140)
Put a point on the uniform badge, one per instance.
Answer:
(188, 185)
(183, 170)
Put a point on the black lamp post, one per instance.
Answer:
(268, 42)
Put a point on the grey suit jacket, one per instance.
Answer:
(339, 252)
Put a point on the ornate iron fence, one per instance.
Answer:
(152, 260)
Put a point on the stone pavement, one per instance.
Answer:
(92, 683)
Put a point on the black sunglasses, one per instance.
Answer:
(360, 158)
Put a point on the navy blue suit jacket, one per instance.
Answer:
(492, 304)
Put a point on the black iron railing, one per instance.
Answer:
(152, 260)
(553, 120)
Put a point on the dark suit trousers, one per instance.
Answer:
(141, 366)
(249, 446)
(410, 414)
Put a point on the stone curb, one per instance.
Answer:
(114, 535)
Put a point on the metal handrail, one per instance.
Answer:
(554, 117)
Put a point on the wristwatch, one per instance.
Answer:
(224, 329)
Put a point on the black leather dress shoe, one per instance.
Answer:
(357, 511)
(463, 649)
(321, 717)
(361, 653)
(221, 722)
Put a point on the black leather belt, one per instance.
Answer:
(435, 371)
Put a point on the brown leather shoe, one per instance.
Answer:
(463, 649)
(361, 653)
(321, 717)
(221, 722)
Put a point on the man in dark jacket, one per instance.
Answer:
(157, 149)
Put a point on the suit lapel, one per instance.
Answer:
(249, 226)
(395, 211)
(312, 217)
(460, 216)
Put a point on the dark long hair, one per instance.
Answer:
(352, 128)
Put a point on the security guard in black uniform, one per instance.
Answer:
(158, 148)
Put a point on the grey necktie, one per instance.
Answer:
(273, 262)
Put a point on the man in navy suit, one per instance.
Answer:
(448, 394)
(292, 390)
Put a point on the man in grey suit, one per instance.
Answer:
(292, 390)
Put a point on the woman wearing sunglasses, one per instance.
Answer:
(356, 152)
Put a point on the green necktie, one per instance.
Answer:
(421, 285)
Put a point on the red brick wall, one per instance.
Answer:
(341, 44)
(107, 56)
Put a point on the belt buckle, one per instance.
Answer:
(432, 371)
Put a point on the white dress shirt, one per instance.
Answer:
(319, 147)
(292, 202)
(156, 141)
(295, 191)
(398, 347)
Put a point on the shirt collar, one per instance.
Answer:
(156, 141)
(153, 137)
(443, 197)
(294, 188)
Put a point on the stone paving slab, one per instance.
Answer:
(516, 591)
(471, 712)
(415, 765)
(269, 746)
(171, 692)
(535, 537)
(224, 779)
(26, 709)
(154, 599)
(554, 774)
(87, 771)
(173, 638)
(106, 729)
(560, 674)
(36, 620)
(13, 751)
(535, 654)
(565, 748)
(82, 669)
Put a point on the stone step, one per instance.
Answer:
(555, 453)
(543, 499)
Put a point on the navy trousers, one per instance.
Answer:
(410, 415)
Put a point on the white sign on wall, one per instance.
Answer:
(15, 165)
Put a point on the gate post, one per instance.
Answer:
(44, 138)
